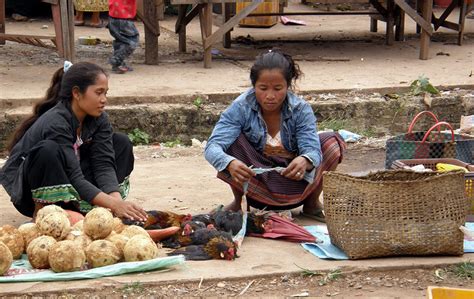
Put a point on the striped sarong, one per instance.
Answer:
(273, 190)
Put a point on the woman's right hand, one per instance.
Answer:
(239, 171)
(130, 210)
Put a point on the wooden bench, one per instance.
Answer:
(203, 9)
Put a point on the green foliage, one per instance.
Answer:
(138, 137)
(463, 270)
(133, 288)
(423, 85)
(333, 124)
(325, 277)
(172, 143)
(198, 102)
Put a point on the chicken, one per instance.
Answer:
(228, 221)
(203, 235)
(165, 219)
(255, 223)
(216, 248)
(182, 236)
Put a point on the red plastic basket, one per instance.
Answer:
(431, 164)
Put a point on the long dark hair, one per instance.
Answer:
(275, 59)
(80, 75)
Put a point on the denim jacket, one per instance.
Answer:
(298, 130)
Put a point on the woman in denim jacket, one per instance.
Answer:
(268, 126)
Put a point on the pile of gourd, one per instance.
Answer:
(61, 241)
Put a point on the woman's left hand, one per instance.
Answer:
(296, 169)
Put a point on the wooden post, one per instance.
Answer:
(2, 20)
(64, 28)
(182, 27)
(400, 26)
(56, 12)
(427, 10)
(70, 32)
(389, 35)
(462, 18)
(205, 16)
(151, 39)
(419, 9)
(226, 16)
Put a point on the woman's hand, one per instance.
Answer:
(239, 171)
(297, 168)
(130, 210)
(120, 208)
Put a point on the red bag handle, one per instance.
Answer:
(415, 119)
(438, 125)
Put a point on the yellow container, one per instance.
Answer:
(271, 6)
(449, 293)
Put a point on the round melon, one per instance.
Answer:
(48, 210)
(102, 253)
(118, 225)
(38, 251)
(79, 226)
(66, 256)
(140, 248)
(6, 258)
(29, 231)
(119, 241)
(80, 238)
(134, 230)
(54, 224)
(12, 237)
(98, 223)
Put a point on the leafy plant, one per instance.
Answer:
(138, 137)
(463, 270)
(133, 288)
(172, 143)
(198, 102)
(423, 85)
(334, 124)
(326, 277)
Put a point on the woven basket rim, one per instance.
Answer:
(364, 178)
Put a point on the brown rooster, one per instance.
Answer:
(164, 219)
(219, 248)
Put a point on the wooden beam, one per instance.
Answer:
(427, 9)
(376, 4)
(151, 32)
(231, 23)
(56, 12)
(315, 13)
(188, 17)
(2, 20)
(11, 35)
(64, 28)
(226, 11)
(425, 25)
(70, 24)
(180, 28)
(147, 23)
(438, 21)
(205, 16)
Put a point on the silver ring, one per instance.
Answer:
(298, 173)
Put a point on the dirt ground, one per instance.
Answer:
(337, 284)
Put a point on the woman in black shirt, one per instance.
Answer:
(66, 152)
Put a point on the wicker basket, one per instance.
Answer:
(395, 212)
(431, 164)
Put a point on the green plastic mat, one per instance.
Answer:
(21, 270)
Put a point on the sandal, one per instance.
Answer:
(318, 215)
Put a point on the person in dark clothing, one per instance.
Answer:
(21, 10)
(66, 152)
